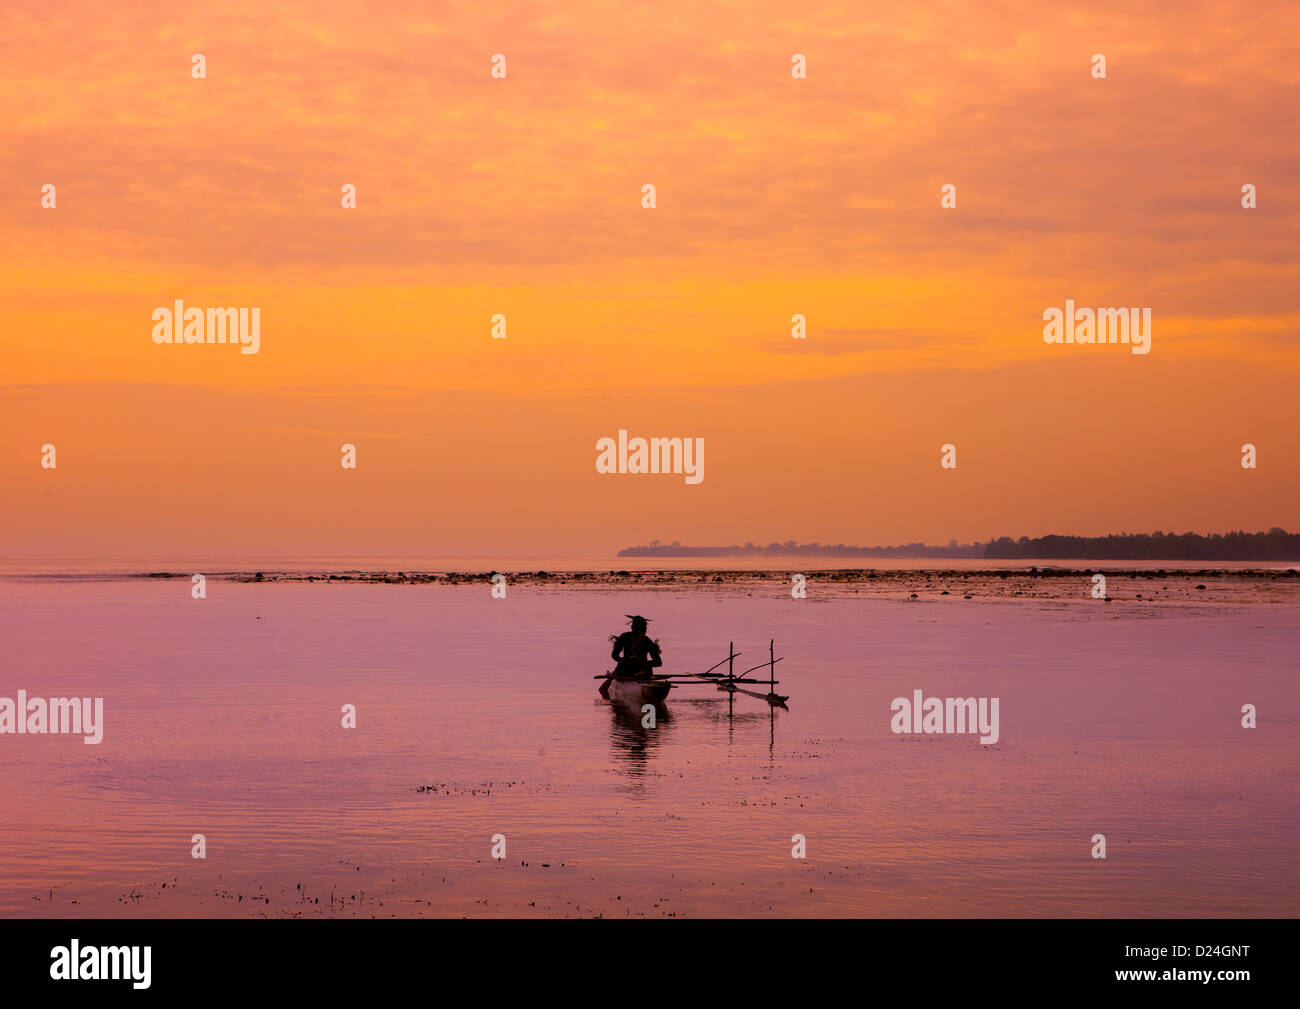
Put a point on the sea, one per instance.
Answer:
(367, 746)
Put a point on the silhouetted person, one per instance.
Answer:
(635, 653)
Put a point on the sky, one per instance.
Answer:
(522, 196)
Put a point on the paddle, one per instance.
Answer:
(609, 677)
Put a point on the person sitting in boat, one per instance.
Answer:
(635, 653)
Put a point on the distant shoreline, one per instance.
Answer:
(692, 575)
(1280, 570)
(1274, 546)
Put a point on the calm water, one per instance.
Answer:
(223, 718)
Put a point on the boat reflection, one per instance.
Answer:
(631, 732)
(635, 737)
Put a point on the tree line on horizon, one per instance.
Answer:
(1274, 545)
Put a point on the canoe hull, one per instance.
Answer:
(639, 691)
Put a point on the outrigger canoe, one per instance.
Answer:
(654, 689)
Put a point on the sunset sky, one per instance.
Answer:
(522, 196)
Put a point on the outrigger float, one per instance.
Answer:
(655, 689)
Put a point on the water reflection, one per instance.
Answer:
(748, 722)
(634, 741)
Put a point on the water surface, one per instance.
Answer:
(479, 716)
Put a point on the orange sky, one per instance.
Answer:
(522, 196)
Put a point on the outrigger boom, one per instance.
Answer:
(656, 687)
